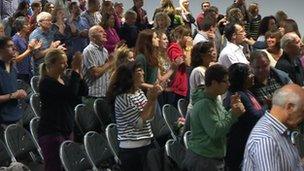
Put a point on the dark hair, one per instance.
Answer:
(238, 73)
(122, 80)
(145, 46)
(257, 55)
(3, 41)
(72, 4)
(36, 4)
(229, 30)
(199, 51)
(207, 23)
(291, 26)
(20, 22)
(265, 23)
(215, 72)
(105, 20)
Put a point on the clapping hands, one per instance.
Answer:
(237, 106)
(153, 92)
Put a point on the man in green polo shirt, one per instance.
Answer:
(210, 122)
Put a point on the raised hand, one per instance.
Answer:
(153, 92)
(34, 45)
(237, 106)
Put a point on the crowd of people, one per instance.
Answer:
(241, 72)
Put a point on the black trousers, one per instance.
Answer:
(134, 159)
(195, 162)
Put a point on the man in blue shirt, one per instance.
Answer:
(9, 94)
(269, 146)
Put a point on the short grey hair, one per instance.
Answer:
(281, 97)
(287, 38)
(42, 16)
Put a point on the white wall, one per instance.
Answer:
(293, 8)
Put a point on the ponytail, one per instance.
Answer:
(42, 70)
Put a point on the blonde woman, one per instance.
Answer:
(185, 12)
(58, 98)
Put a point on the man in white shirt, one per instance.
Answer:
(233, 51)
(207, 32)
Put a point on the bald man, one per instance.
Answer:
(96, 63)
(290, 62)
(269, 146)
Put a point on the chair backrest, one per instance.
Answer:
(97, 149)
(86, 120)
(111, 133)
(5, 158)
(25, 86)
(73, 157)
(102, 110)
(36, 104)
(176, 151)
(186, 137)
(19, 142)
(182, 106)
(159, 126)
(27, 111)
(34, 128)
(171, 115)
(35, 83)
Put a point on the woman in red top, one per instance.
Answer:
(179, 48)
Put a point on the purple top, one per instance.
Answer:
(112, 39)
(23, 67)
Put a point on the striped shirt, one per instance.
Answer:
(269, 148)
(95, 56)
(130, 126)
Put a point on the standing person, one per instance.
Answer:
(233, 51)
(205, 5)
(273, 50)
(184, 8)
(57, 99)
(240, 4)
(142, 17)
(146, 55)
(133, 111)
(24, 48)
(267, 79)
(44, 34)
(203, 54)
(210, 123)
(108, 23)
(96, 64)
(129, 31)
(9, 94)
(92, 15)
(178, 50)
(162, 22)
(269, 147)
(255, 20)
(119, 11)
(241, 78)
(290, 60)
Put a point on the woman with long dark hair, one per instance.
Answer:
(241, 78)
(133, 112)
(146, 54)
